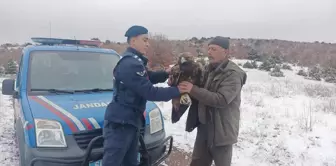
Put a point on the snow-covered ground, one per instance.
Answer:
(284, 121)
(8, 150)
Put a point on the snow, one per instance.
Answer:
(8, 151)
(284, 121)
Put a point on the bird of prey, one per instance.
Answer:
(186, 69)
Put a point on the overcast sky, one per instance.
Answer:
(300, 20)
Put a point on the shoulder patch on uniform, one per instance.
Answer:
(137, 57)
(142, 73)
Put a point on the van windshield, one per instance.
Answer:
(71, 70)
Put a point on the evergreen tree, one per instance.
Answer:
(248, 65)
(11, 67)
(276, 72)
(315, 72)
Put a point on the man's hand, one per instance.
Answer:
(185, 87)
(170, 80)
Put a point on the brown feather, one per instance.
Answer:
(186, 69)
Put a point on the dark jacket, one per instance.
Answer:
(133, 87)
(218, 104)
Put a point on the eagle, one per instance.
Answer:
(186, 69)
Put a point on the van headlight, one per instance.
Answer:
(155, 121)
(49, 133)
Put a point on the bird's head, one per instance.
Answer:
(186, 61)
(185, 57)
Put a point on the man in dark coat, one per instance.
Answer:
(132, 88)
(217, 114)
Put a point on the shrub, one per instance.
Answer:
(319, 90)
(315, 73)
(254, 64)
(12, 67)
(329, 105)
(248, 65)
(266, 65)
(276, 60)
(330, 79)
(329, 74)
(302, 73)
(286, 67)
(253, 55)
(276, 72)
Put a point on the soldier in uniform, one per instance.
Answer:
(217, 114)
(133, 87)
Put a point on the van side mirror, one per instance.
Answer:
(8, 87)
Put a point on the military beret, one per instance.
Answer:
(135, 31)
(221, 41)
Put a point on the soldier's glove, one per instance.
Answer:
(185, 99)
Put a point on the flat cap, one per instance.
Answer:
(135, 31)
(223, 42)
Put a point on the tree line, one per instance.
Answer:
(11, 68)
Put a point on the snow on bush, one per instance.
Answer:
(315, 73)
(254, 64)
(276, 72)
(319, 90)
(329, 75)
(248, 65)
(302, 73)
(266, 65)
(286, 67)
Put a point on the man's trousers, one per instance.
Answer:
(120, 144)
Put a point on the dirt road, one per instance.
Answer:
(178, 158)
